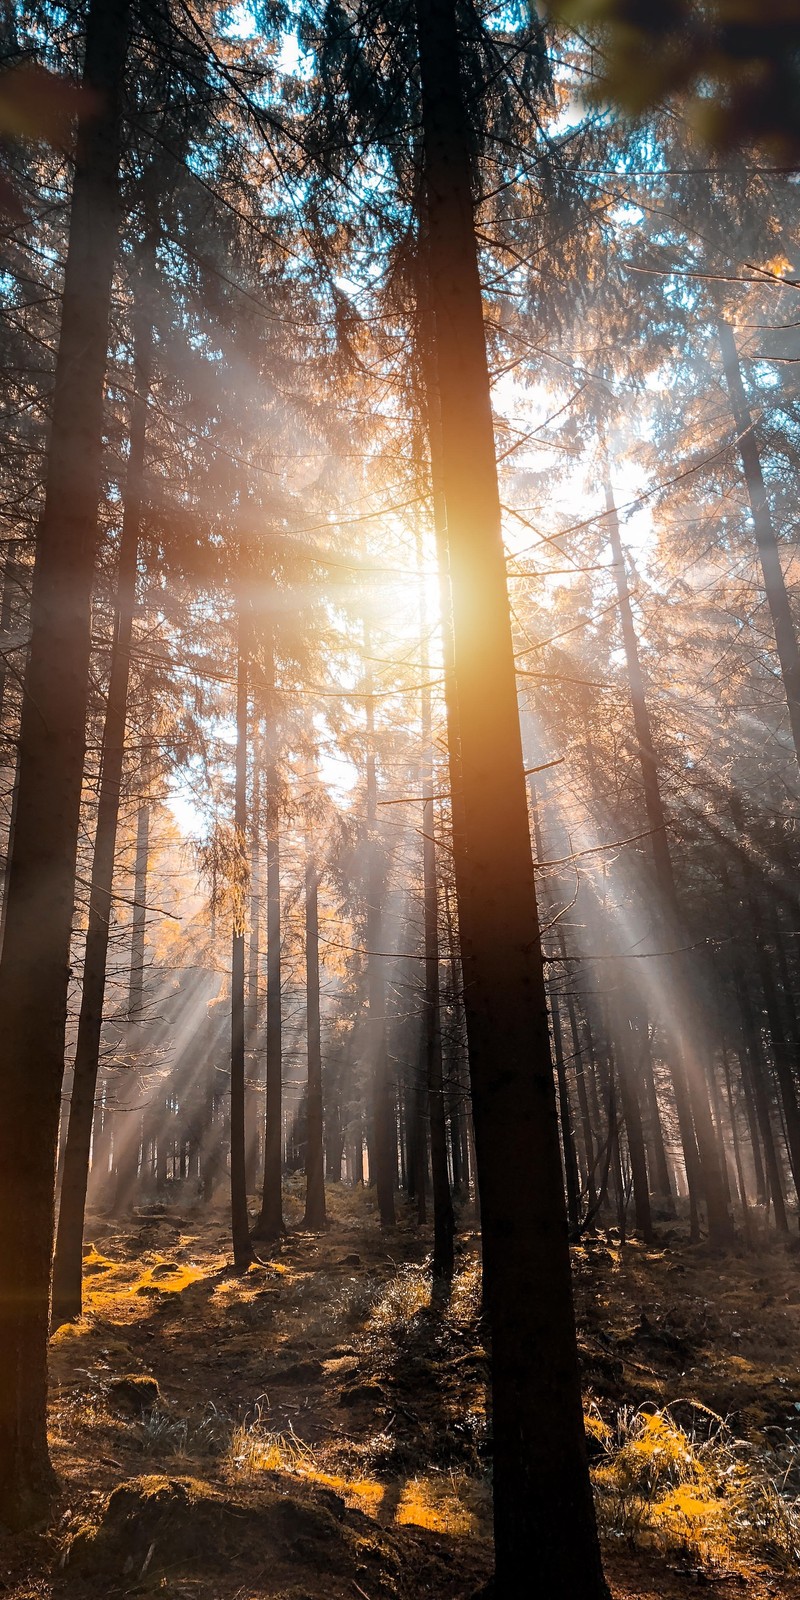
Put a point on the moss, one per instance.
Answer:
(156, 1522)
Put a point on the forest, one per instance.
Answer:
(399, 799)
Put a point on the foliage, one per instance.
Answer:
(734, 63)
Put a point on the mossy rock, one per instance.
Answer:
(135, 1391)
(154, 1523)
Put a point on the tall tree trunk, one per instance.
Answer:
(240, 1223)
(545, 1533)
(761, 1097)
(631, 1111)
(12, 585)
(270, 1223)
(768, 550)
(67, 1300)
(443, 1215)
(315, 1165)
(587, 1134)
(737, 1149)
(565, 1116)
(139, 920)
(781, 1050)
(12, 579)
(128, 1124)
(691, 1096)
(564, 1107)
(253, 1016)
(383, 1153)
(657, 1149)
(34, 969)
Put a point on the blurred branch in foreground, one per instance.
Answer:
(736, 61)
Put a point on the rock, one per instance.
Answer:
(165, 1269)
(156, 1523)
(135, 1392)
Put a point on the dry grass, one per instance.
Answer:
(253, 1447)
(404, 1297)
(464, 1306)
(697, 1492)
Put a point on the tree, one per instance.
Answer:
(240, 1226)
(34, 968)
(544, 1519)
(68, 1260)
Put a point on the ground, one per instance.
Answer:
(316, 1429)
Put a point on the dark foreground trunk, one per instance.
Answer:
(34, 972)
(545, 1534)
(67, 1300)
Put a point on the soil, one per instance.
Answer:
(315, 1429)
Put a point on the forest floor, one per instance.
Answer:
(315, 1430)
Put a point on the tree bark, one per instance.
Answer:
(253, 1015)
(781, 1050)
(443, 1214)
(34, 969)
(768, 550)
(270, 1224)
(315, 1217)
(691, 1096)
(240, 1222)
(383, 1159)
(545, 1533)
(632, 1115)
(67, 1297)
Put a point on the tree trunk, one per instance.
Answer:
(240, 1222)
(270, 1223)
(314, 1218)
(580, 1078)
(769, 553)
(252, 1106)
(443, 1215)
(127, 1121)
(9, 609)
(657, 1149)
(67, 1299)
(761, 1097)
(384, 1143)
(691, 1096)
(737, 1151)
(781, 1050)
(564, 1107)
(545, 1533)
(631, 1111)
(34, 969)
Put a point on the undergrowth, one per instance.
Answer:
(697, 1491)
